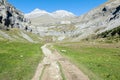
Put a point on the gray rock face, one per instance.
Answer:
(10, 17)
(100, 19)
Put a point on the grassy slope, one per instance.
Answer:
(15, 34)
(98, 61)
(110, 36)
(18, 60)
(111, 33)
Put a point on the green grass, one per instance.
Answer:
(98, 61)
(15, 32)
(18, 60)
(16, 35)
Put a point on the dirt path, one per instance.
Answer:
(49, 64)
(70, 71)
(49, 69)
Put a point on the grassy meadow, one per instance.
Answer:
(98, 61)
(18, 60)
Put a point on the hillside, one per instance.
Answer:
(19, 36)
(115, 32)
(104, 17)
(110, 36)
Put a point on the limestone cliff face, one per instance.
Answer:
(10, 17)
(100, 19)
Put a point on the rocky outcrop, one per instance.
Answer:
(10, 17)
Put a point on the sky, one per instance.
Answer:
(78, 7)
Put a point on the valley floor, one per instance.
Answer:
(62, 61)
(18, 60)
(100, 61)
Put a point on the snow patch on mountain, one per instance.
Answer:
(62, 14)
(36, 13)
(57, 14)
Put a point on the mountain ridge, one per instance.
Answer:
(56, 14)
(96, 21)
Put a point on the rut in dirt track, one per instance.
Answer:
(49, 68)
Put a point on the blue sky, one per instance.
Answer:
(77, 7)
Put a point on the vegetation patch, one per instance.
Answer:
(113, 34)
(98, 61)
(18, 60)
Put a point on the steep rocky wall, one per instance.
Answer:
(98, 20)
(10, 17)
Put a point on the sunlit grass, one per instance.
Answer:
(18, 60)
(98, 61)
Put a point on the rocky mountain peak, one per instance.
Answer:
(57, 14)
(39, 11)
(62, 13)
(36, 13)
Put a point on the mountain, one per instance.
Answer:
(62, 25)
(98, 20)
(62, 14)
(104, 17)
(57, 14)
(41, 17)
(36, 13)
